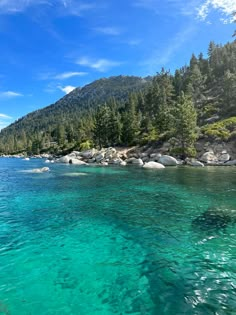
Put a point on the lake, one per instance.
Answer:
(117, 240)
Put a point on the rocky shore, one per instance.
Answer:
(139, 156)
(146, 159)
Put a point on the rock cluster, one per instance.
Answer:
(148, 159)
(116, 157)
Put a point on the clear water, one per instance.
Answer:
(104, 241)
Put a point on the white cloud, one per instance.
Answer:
(4, 116)
(66, 89)
(101, 65)
(67, 75)
(10, 94)
(108, 30)
(5, 120)
(227, 7)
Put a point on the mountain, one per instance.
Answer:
(68, 112)
(128, 110)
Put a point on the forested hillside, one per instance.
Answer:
(198, 100)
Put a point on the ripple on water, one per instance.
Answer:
(138, 243)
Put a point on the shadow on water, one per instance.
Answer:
(214, 219)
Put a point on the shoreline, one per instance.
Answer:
(150, 158)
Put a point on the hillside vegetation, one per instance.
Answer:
(198, 100)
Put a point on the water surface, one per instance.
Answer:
(110, 240)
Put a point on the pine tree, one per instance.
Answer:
(130, 122)
(185, 125)
(100, 130)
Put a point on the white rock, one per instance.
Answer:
(153, 165)
(208, 157)
(64, 159)
(194, 162)
(41, 170)
(168, 160)
(115, 161)
(26, 159)
(224, 157)
(123, 163)
(47, 161)
(76, 162)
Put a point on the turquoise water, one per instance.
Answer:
(110, 240)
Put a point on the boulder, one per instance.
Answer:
(153, 165)
(110, 153)
(209, 157)
(134, 161)
(229, 163)
(143, 155)
(115, 161)
(155, 156)
(123, 163)
(168, 160)
(76, 162)
(193, 162)
(88, 154)
(99, 156)
(64, 159)
(224, 157)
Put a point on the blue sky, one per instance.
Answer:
(48, 47)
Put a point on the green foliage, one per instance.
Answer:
(223, 129)
(185, 124)
(86, 145)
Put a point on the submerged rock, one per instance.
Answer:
(214, 218)
(40, 170)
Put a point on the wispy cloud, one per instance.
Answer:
(162, 58)
(17, 6)
(168, 7)
(10, 94)
(66, 89)
(68, 75)
(101, 65)
(5, 120)
(227, 7)
(66, 7)
(108, 30)
(4, 116)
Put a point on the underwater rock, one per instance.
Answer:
(41, 170)
(214, 218)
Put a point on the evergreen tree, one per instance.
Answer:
(100, 130)
(185, 125)
(130, 123)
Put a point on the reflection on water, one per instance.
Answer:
(118, 241)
